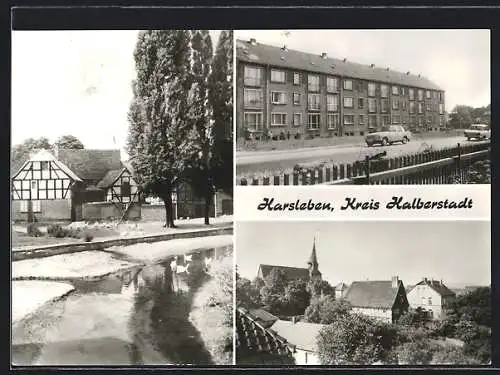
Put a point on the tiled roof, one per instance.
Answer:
(90, 164)
(109, 178)
(374, 294)
(301, 334)
(440, 288)
(291, 273)
(263, 317)
(254, 337)
(275, 56)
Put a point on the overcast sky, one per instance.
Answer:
(456, 60)
(73, 82)
(458, 252)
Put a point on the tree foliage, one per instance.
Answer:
(326, 310)
(247, 293)
(69, 142)
(162, 138)
(463, 116)
(21, 152)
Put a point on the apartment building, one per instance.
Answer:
(296, 94)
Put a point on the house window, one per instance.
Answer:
(441, 121)
(429, 120)
(333, 121)
(441, 109)
(428, 94)
(412, 107)
(125, 189)
(35, 206)
(428, 107)
(348, 102)
(372, 88)
(384, 105)
(361, 103)
(411, 93)
(331, 84)
(297, 119)
(253, 120)
(429, 301)
(395, 104)
(403, 91)
(440, 96)
(277, 76)
(396, 119)
(253, 76)
(313, 102)
(395, 90)
(278, 97)
(347, 84)
(372, 105)
(420, 94)
(296, 98)
(361, 119)
(278, 119)
(253, 98)
(420, 108)
(403, 105)
(296, 78)
(384, 91)
(332, 103)
(313, 121)
(348, 119)
(372, 122)
(312, 82)
(386, 120)
(403, 120)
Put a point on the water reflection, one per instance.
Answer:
(137, 316)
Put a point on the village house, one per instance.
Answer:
(340, 290)
(382, 300)
(432, 296)
(87, 184)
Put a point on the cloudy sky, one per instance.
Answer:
(457, 60)
(458, 252)
(73, 82)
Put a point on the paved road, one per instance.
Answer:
(248, 163)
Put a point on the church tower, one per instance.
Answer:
(312, 264)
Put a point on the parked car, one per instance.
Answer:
(389, 135)
(478, 131)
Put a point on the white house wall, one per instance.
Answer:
(304, 357)
(114, 193)
(425, 297)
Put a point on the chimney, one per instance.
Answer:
(387, 69)
(441, 282)
(407, 73)
(419, 76)
(395, 282)
(284, 48)
(324, 55)
(252, 41)
(372, 65)
(345, 59)
(424, 279)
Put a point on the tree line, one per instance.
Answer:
(462, 116)
(181, 109)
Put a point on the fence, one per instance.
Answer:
(442, 166)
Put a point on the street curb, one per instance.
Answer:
(50, 250)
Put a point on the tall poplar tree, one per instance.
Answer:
(161, 136)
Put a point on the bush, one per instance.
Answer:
(87, 237)
(56, 230)
(33, 231)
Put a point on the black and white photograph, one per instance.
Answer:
(363, 293)
(122, 197)
(363, 107)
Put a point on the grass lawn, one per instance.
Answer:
(20, 239)
(325, 142)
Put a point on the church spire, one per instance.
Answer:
(313, 263)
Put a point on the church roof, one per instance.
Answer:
(313, 259)
(291, 273)
(372, 294)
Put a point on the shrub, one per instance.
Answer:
(56, 230)
(33, 231)
(87, 237)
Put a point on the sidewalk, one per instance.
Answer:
(37, 251)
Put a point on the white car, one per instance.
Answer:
(478, 131)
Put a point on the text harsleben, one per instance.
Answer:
(351, 203)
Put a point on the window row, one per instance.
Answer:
(253, 77)
(254, 120)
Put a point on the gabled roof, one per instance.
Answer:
(90, 164)
(45, 155)
(291, 273)
(264, 54)
(263, 317)
(372, 294)
(110, 177)
(301, 334)
(437, 286)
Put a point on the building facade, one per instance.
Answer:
(382, 300)
(284, 94)
(431, 296)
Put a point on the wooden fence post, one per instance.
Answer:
(367, 169)
(459, 166)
